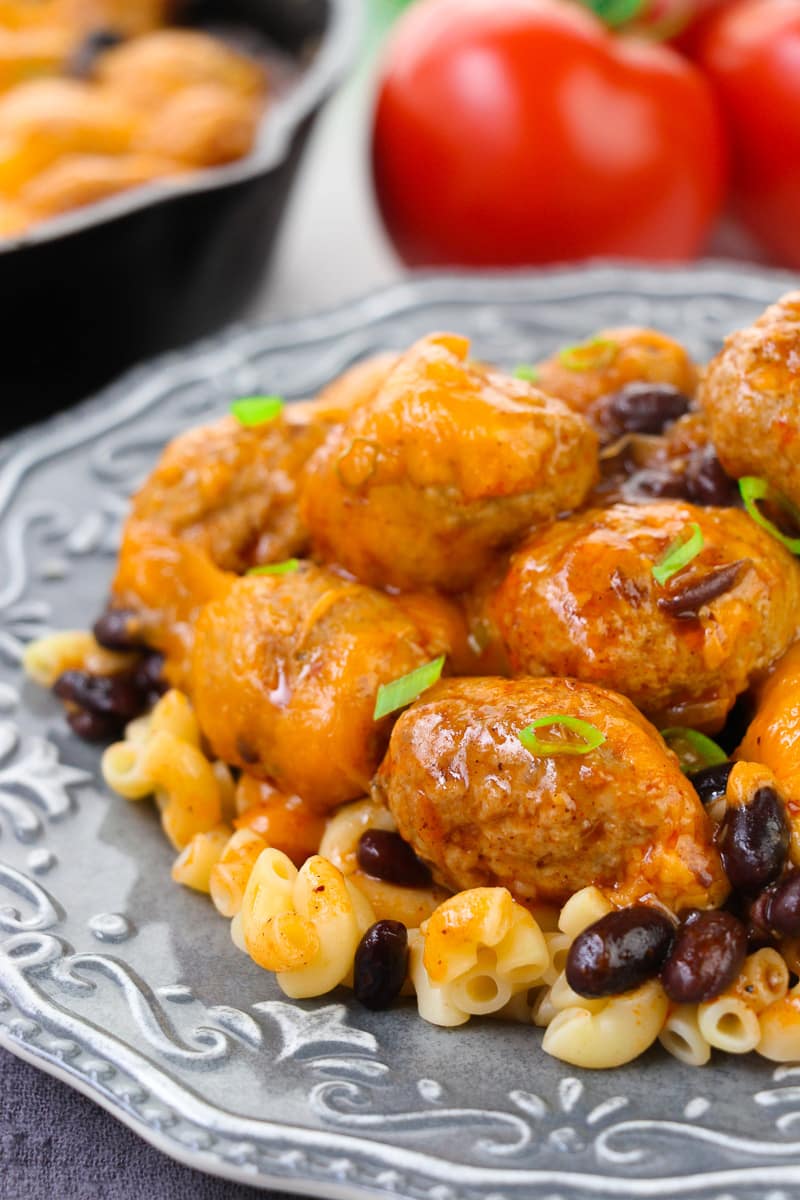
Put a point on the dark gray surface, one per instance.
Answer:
(55, 1143)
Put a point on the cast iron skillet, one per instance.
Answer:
(86, 294)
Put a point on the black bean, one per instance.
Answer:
(706, 480)
(757, 911)
(737, 723)
(381, 963)
(642, 407)
(685, 602)
(753, 841)
(778, 908)
(619, 951)
(706, 957)
(119, 629)
(84, 59)
(104, 695)
(94, 727)
(148, 678)
(384, 855)
(710, 782)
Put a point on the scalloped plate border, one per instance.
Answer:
(379, 1168)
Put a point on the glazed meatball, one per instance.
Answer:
(164, 581)
(79, 179)
(128, 17)
(231, 490)
(585, 376)
(146, 71)
(448, 463)
(285, 674)
(580, 599)
(483, 810)
(751, 395)
(43, 119)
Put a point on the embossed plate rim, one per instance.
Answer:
(427, 1173)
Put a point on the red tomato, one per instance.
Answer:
(520, 131)
(751, 50)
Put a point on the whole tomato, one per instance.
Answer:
(751, 51)
(521, 131)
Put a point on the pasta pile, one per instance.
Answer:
(477, 953)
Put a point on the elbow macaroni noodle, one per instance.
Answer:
(476, 952)
(304, 925)
(162, 756)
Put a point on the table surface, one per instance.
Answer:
(52, 1139)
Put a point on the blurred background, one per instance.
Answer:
(334, 234)
(167, 166)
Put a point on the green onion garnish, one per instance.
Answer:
(281, 568)
(615, 12)
(590, 355)
(679, 554)
(402, 691)
(527, 372)
(257, 410)
(752, 490)
(694, 749)
(592, 737)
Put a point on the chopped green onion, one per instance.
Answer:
(402, 691)
(589, 356)
(592, 737)
(527, 372)
(752, 490)
(694, 749)
(281, 568)
(615, 12)
(679, 554)
(257, 410)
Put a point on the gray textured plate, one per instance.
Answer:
(128, 987)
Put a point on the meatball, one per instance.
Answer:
(79, 179)
(148, 70)
(206, 125)
(129, 17)
(483, 810)
(166, 582)
(583, 376)
(448, 463)
(580, 599)
(231, 490)
(43, 119)
(751, 394)
(285, 673)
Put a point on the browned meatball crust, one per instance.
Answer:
(286, 670)
(448, 463)
(582, 376)
(231, 490)
(483, 810)
(580, 599)
(751, 395)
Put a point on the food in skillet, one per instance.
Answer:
(303, 660)
(116, 111)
